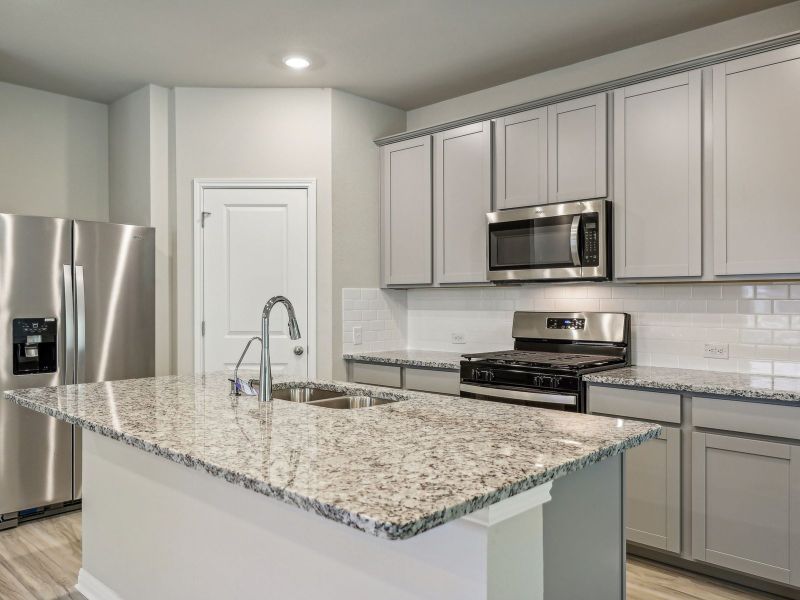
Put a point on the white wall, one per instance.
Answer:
(138, 139)
(356, 122)
(280, 133)
(53, 155)
(707, 40)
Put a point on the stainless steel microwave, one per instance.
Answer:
(564, 241)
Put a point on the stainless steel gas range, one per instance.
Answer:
(552, 351)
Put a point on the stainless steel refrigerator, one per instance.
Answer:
(77, 305)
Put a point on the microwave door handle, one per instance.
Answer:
(573, 240)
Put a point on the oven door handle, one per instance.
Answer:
(524, 396)
(573, 240)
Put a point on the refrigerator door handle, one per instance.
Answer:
(80, 317)
(68, 370)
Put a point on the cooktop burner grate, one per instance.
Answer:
(545, 359)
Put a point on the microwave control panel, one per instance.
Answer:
(591, 240)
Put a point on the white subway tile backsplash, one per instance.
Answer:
(382, 316)
(773, 321)
(755, 307)
(772, 291)
(671, 322)
(786, 307)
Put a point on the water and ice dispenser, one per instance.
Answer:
(35, 343)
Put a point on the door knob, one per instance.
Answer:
(298, 350)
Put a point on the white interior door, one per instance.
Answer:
(255, 246)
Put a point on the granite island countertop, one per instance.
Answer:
(393, 471)
(741, 385)
(429, 359)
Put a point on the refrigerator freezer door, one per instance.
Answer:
(115, 301)
(35, 450)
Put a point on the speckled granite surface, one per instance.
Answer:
(432, 359)
(393, 471)
(759, 387)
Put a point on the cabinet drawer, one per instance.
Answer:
(636, 404)
(747, 417)
(387, 375)
(428, 380)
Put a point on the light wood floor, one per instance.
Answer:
(40, 561)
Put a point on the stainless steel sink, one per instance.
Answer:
(303, 394)
(351, 402)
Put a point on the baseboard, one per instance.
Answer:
(93, 588)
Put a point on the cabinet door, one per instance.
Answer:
(462, 197)
(653, 492)
(756, 178)
(407, 212)
(521, 159)
(746, 505)
(657, 177)
(577, 149)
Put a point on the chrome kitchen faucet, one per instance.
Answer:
(265, 385)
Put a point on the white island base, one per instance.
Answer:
(155, 529)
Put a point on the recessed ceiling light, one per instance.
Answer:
(296, 62)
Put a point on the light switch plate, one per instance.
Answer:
(715, 350)
(457, 338)
(358, 337)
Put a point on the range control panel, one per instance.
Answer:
(553, 323)
(591, 243)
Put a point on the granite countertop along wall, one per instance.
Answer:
(393, 470)
(431, 359)
(757, 387)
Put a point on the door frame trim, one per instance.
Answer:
(310, 185)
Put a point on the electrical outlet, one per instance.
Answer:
(358, 337)
(457, 338)
(715, 350)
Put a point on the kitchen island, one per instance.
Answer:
(440, 497)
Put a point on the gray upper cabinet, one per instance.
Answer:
(577, 143)
(407, 212)
(657, 177)
(462, 197)
(746, 505)
(756, 112)
(520, 166)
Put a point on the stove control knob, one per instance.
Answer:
(547, 382)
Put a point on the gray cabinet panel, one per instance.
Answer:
(521, 159)
(462, 197)
(653, 492)
(432, 380)
(746, 505)
(374, 374)
(407, 212)
(756, 113)
(577, 142)
(657, 177)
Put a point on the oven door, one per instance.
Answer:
(527, 397)
(555, 241)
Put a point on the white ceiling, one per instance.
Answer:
(407, 53)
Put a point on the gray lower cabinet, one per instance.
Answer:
(746, 505)
(435, 381)
(652, 470)
(653, 492)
